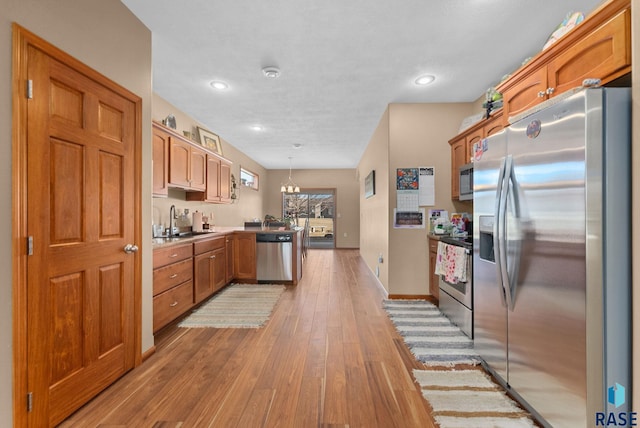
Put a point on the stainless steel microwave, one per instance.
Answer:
(466, 182)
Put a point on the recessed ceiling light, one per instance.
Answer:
(217, 84)
(257, 127)
(271, 72)
(425, 79)
(297, 146)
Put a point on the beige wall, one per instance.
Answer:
(374, 213)
(249, 202)
(107, 37)
(347, 203)
(408, 135)
(419, 135)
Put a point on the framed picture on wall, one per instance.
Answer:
(210, 141)
(370, 184)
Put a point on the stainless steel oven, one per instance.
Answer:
(456, 300)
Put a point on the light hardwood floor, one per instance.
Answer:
(329, 357)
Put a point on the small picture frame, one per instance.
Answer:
(210, 141)
(370, 184)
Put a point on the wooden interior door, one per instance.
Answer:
(82, 210)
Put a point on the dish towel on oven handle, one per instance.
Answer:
(451, 262)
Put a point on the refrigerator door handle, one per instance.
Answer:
(513, 244)
(497, 239)
(502, 231)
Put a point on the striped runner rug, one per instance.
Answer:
(236, 306)
(429, 334)
(459, 398)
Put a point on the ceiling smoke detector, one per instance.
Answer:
(271, 72)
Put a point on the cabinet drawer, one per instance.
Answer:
(165, 256)
(171, 304)
(206, 245)
(171, 275)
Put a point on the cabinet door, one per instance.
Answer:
(219, 269)
(198, 169)
(525, 94)
(470, 140)
(160, 162)
(203, 276)
(213, 179)
(434, 287)
(493, 125)
(225, 182)
(179, 163)
(230, 258)
(458, 155)
(603, 54)
(244, 254)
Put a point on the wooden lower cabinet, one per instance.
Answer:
(434, 288)
(185, 275)
(229, 244)
(244, 257)
(209, 267)
(172, 283)
(171, 304)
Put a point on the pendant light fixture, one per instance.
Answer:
(290, 186)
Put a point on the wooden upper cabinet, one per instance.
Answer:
(213, 179)
(179, 163)
(462, 146)
(160, 162)
(493, 125)
(458, 156)
(198, 169)
(525, 93)
(471, 139)
(603, 54)
(187, 166)
(598, 48)
(225, 182)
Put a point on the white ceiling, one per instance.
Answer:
(342, 62)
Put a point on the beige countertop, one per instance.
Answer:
(216, 231)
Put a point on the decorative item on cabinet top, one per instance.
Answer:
(210, 140)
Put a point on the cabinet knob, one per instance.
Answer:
(541, 94)
(550, 91)
(130, 248)
(212, 257)
(175, 275)
(174, 304)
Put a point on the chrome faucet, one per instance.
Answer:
(172, 216)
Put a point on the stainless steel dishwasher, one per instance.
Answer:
(274, 256)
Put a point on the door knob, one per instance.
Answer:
(130, 248)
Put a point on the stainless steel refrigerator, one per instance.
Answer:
(552, 255)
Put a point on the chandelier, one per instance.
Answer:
(290, 186)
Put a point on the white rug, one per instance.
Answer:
(431, 337)
(469, 398)
(236, 306)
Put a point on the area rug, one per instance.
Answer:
(469, 398)
(431, 337)
(458, 398)
(236, 306)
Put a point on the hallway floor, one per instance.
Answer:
(329, 357)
